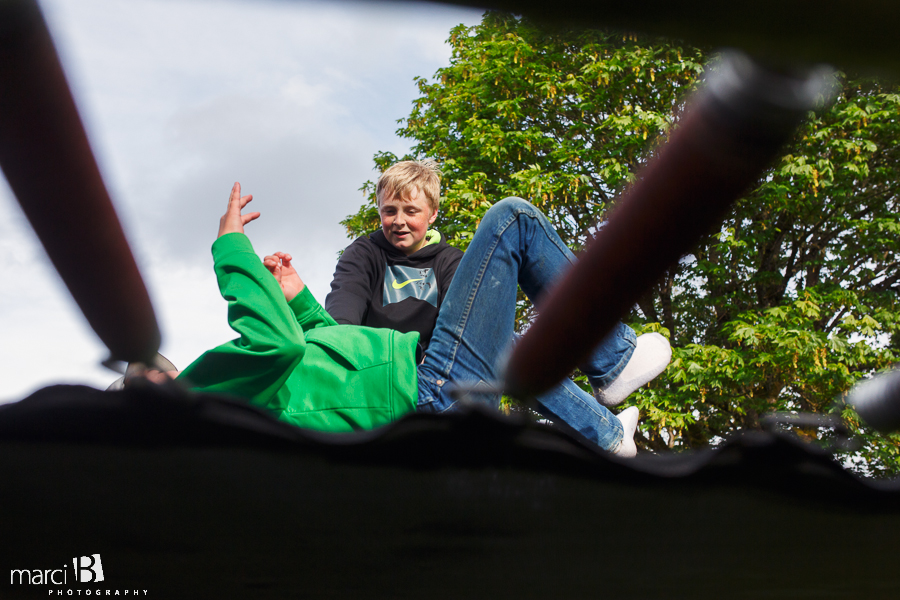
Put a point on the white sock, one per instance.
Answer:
(629, 420)
(651, 356)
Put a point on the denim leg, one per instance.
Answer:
(569, 404)
(514, 244)
(610, 356)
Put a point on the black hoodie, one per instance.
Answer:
(376, 285)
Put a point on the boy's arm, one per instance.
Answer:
(308, 312)
(448, 270)
(256, 365)
(351, 288)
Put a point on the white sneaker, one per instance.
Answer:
(651, 357)
(629, 420)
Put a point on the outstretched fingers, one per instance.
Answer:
(235, 200)
(233, 221)
(241, 202)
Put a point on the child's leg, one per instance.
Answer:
(515, 244)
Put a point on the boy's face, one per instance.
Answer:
(405, 222)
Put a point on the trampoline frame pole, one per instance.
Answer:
(732, 130)
(47, 160)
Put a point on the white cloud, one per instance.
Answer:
(181, 99)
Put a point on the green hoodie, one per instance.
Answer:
(293, 359)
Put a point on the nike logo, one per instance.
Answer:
(397, 286)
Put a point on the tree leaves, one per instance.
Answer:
(559, 117)
(785, 307)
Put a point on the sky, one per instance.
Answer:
(181, 99)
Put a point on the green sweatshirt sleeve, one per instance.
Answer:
(308, 312)
(271, 344)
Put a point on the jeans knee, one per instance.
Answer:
(513, 203)
(509, 206)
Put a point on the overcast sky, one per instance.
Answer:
(180, 100)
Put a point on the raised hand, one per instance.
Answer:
(279, 265)
(233, 221)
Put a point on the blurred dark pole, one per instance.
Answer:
(877, 400)
(46, 158)
(860, 34)
(732, 129)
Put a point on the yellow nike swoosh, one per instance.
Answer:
(408, 281)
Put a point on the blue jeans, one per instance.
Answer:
(514, 244)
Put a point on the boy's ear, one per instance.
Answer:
(433, 216)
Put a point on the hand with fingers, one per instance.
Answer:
(233, 221)
(279, 264)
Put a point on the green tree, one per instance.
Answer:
(560, 117)
(784, 307)
(795, 298)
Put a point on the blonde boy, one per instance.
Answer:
(397, 277)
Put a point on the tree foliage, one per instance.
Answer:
(784, 307)
(561, 118)
(795, 298)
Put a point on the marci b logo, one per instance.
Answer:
(88, 569)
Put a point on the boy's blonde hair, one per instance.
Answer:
(401, 177)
